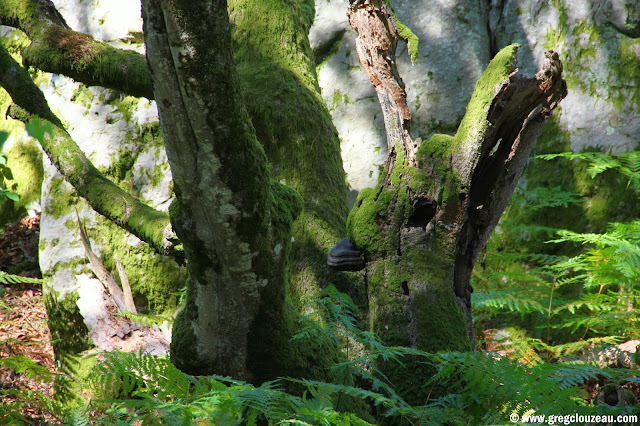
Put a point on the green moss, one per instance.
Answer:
(338, 98)
(474, 125)
(183, 339)
(428, 317)
(69, 335)
(280, 89)
(125, 105)
(325, 52)
(83, 96)
(413, 42)
(24, 159)
(65, 198)
(626, 68)
(362, 225)
(286, 205)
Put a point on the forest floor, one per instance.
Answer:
(24, 331)
(23, 319)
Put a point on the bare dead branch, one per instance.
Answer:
(126, 288)
(101, 271)
(376, 46)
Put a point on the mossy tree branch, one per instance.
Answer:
(504, 118)
(104, 196)
(58, 49)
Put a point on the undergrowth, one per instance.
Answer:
(543, 313)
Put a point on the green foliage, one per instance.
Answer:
(5, 172)
(539, 198)
(6, 278)
(627, 163)
(38, 129)
(484, 387)
(22, 399)
(565, 304)
(153, 391)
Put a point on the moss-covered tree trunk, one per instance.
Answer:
(438, 201)
(233, 222)
(226, 211)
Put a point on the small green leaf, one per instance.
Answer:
(3, 138)
(38, 128)
(12, 196)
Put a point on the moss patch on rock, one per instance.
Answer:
(24, 159)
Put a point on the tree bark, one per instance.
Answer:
(423, 227)
(228, 215)
(280, 89)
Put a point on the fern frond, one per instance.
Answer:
(6, 278)
(512, 300)
(497, 386)
(78, 415)
(540, 197)
(30, 368)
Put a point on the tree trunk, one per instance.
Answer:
(437, 203)
(234, 223)
(223, 212)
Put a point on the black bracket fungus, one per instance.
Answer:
(346, 257)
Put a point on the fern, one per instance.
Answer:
(627, 163)
(6, 278)
(494, 387)
(24, 399)
(540, 198)
(513, 300)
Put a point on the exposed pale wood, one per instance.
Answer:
(101, 271)
(126, 288)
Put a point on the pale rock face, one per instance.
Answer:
(104, 20)
(457, 40)
(109, 128)
(586, 35)
(348, 93)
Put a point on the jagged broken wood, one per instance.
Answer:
(424, 226)
(102, 273)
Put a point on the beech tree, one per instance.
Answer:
(256, 164)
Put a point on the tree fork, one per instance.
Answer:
(424, 226)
